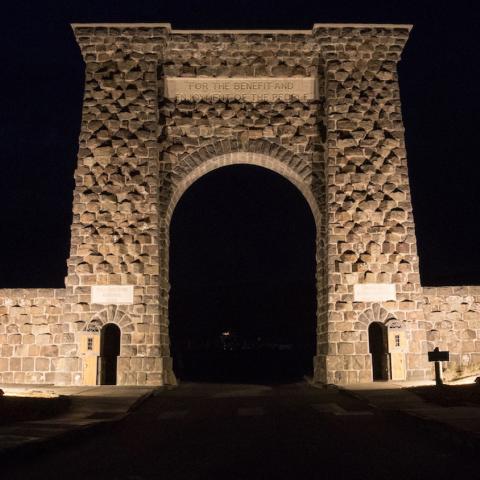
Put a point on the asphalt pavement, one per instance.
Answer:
(249, 432)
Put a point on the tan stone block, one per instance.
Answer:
(60, 378)
(44, 338)
(349, 336)
(361, 347)
(7, 377)
(19, 377)
(365, 376)
(4, 364)
(129, 350)
(28, 364)
(26, 328)
(15, 364)
(152, 378)
(42, 364)
(346, 348)
(49, 350)
(15, 339)
(67, 350)
(65, 364)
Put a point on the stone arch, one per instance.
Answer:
(262, 153)
(189, 162)
(375, 314)
(222, 153)
(111, 314)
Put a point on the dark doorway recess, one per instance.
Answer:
(109, 351)
(377, 341)
(242, 274)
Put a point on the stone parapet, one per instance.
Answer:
(452, 322)
(37, 344)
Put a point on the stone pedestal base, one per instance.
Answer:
(319, 369)
(169, 377)
(343, 369)
(418, 367)
(348, 369)
(154, 371)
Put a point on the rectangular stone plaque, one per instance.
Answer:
(245, 89)
(374, 292)
(112, 294)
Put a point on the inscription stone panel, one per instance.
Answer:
(112, 294)
(374, 292)
(248, 89)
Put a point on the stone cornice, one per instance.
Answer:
(386, 26)
(316, 26)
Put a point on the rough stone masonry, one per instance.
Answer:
(163, 107)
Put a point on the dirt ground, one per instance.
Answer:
(450, 395)
(20, 409)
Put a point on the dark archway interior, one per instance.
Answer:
(109, 351)
(377, 341)
(242, 274)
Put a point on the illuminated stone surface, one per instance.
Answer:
(112, 294)
(343, 147)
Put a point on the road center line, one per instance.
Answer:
(171, 414)
(251, 412)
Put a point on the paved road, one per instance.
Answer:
(249, 432)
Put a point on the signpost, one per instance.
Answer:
(438, 357)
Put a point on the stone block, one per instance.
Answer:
(66, 364)
(28, 364)
(4, 363)
(42, 364)
(44, 338)
(15, 364)
(345, 348)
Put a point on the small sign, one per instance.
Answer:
(245, 89)
(439, 356)
(112, 294)
(374, 292)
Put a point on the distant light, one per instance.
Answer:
(225, 334)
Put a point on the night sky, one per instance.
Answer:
(243, 259)
(40, 113)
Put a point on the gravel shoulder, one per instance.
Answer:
(20, 409)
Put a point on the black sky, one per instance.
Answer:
(41, 85)
(243, 258)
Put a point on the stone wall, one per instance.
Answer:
(37, 343)
(242, 55)
(452, 322)
(371, 236)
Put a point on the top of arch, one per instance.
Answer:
(316, 26)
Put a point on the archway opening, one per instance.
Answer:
(242, 274)
(377, 341)
(109, 351)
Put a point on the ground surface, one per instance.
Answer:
(20, 409)
(201, 431)
(450, 395)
